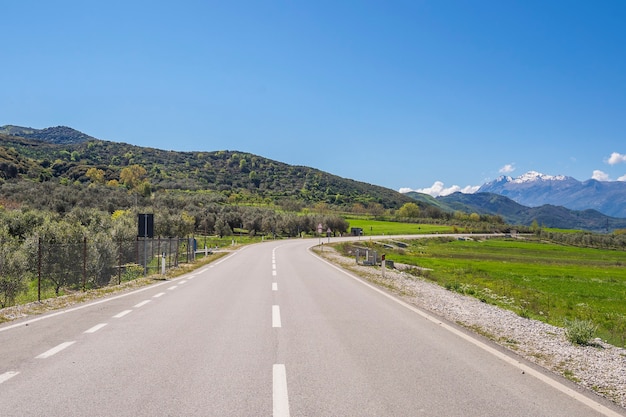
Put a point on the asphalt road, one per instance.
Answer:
(269, 330)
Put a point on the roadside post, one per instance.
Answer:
(163, 263)
(145, 223)
(382, 264)
(319, 233)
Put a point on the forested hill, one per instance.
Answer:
(57, 134)
(229, 172)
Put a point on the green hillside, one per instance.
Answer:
(228, 172)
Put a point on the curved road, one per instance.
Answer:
(269, 330)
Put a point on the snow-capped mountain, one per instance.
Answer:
(534, 189)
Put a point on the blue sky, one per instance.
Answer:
(405, 94)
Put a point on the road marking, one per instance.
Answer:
(503, 356)
(141, 304)
(276, 316)
(273, 266)
(158, 295)
(273, 273)
(55, 350)
(173, 287)
(95, 328)
(181, 282)
(280, 396)
(7, 375)
(274, 286)
(122, 314)
(105, 300)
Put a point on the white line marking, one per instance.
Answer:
(55, 350)
(105, 300)
(141, 304)
(274, 266)
(276, 316)
(181, 282)
(273, 273)
(280, 395)
(122, 314)
(7, 375)
(158, 295)
(274, 286)
(173, 287)
(500, 355)
(95, 328)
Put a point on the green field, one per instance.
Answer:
(379, 227)
(541, 280)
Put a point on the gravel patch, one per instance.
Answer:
(600, 367)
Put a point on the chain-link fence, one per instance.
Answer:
(43, 266)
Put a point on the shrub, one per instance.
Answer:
(580, 332)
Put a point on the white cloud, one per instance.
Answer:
(439, 189)
(600, 176)
(507, 169)
(622, 178)
(616, 158)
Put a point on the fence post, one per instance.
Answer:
(119, 263)
(39, 270)
(84, 263)
(177, 247)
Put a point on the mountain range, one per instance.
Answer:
(534, 189)
(67, 154)
(514, 213)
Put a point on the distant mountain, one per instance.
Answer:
(546, 215)
(59, 135)
(534, 189)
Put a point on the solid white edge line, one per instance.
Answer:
(95, 328)
(122, 314)
(143, 303)
(54, 350)
(276, 316)
(279, 391)
(7, 375)
(106, 300)
(600, 408)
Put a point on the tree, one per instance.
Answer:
(409, 211)
(133, 176)
(13, 269)
(95, 175)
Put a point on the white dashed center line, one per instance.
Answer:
(95, 328)
(276, 316)
(158, 295)
(141, 304)
(274, 286)
(173, 287)
(280, 396)
(7, 375)
(122, 314)
(55, 350)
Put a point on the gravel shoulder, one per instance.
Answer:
(600, 367)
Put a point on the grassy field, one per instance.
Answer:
(378, 227)
(536, 279)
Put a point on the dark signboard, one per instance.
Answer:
(146, 225)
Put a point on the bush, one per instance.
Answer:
(580, 332)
